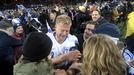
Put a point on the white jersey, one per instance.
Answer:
(58, 49)
(129, 56)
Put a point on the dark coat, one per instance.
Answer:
(18, 49)
(129, 42)
(101, 21)
(81, 41)
(80, 18)
(7, 53)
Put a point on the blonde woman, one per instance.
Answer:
(102, 57)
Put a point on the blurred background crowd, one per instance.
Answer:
(41, 28)
(112, 10)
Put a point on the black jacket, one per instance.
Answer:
(7, 44)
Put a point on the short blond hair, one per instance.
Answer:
(63, 19)
(82, 8)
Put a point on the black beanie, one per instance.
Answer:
(37, 46)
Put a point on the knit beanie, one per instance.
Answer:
(37, 46)
(16, 23)
(108, 29)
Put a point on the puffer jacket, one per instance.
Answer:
(25, 67)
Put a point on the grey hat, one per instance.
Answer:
(5, 24)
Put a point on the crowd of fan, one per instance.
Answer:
(67, 40)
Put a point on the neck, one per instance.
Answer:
(59, 40)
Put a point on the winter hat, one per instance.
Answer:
(36, 46)
(4, 24)
(109, 29)
(16, 22)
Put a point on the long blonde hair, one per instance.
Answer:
(102, 57)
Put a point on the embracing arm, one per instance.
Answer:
(58, 59)
(72, 55)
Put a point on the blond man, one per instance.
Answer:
(64, 50)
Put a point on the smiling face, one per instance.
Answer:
(19, 30)
(62, 31)
(62, 27)
(87, 31)
(95, 15)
